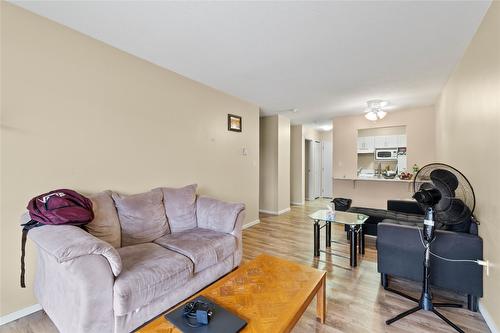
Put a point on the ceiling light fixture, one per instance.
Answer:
(374, 111)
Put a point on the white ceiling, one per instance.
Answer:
(323, 58)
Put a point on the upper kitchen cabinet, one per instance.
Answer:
(366, 144)
(386, 141)
(401, 140)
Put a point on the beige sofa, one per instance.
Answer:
(86, 284)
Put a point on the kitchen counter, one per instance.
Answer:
(372, 192)
(377, 179)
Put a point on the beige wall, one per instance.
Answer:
(283, 163)
(420, 136)
(80, 114)
(326, 136)
(310, 133)
(274, 164)
(468, 138)
(297, 165)
(268, 150)
(392, 130)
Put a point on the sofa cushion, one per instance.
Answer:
(142, 217)
(180, 207)
(203, 246)
(105, 224)
(149, 271)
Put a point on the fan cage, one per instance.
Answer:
(464, 191)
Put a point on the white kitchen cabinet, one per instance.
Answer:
(380, 141)
(386, 141)
(366, 144)
(392, 141)
(402, 140)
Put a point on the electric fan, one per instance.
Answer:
(448, 199)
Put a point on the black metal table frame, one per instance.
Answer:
(355, 232)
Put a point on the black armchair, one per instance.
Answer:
(401, 253)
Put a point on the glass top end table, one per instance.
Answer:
(355, 222)
(339, 217)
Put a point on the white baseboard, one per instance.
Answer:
(251, 224)
(274, 212)
(19, 314)
(286, 210)
(487, 318)
(297, 203)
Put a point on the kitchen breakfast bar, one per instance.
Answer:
(372, 192)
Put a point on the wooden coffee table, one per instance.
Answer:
(270, 293)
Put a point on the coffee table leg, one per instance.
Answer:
(316, 238)
(353, 252)
(321, 301)
(328, 236)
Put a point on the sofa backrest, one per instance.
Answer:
(142, 217)
(123, 220)
(180, 207)
(105, 225)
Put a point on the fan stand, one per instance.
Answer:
(425, 301)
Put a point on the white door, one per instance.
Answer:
(326, 175)
(313, 169)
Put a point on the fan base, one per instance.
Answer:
(424, 303)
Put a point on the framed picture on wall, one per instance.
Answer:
(233, 123)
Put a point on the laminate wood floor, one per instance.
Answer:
(355, 300)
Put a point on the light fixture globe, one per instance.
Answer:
(374, 111)
(371, 115)
(381, 114)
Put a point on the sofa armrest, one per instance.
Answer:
(217, 215)
(67, 242)
(404, 206)
(400, 253)
(238, 233)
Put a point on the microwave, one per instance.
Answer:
(386, 154)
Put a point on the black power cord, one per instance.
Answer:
(197, 313)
